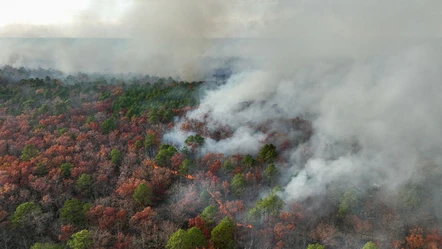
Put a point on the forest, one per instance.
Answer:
(85, 163)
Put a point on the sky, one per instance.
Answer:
(43, 18)
(71, 18)
(42, 12)
(180, 31)
(109, 18)
(56, 12)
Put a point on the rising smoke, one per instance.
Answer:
(375, 119)
(365, 73)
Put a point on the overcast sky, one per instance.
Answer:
(56, 12)
(303, 18)
(107, 18)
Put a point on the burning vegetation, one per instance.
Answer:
(102, 164)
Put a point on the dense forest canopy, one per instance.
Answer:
(270, 124)
(96, 161)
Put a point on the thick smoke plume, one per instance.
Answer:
(366, 74)
(375, 120)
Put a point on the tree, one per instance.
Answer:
(409, 195)
(270, 174)
(191, 239)
(84, 182)
(46, 246)
(267, 153)
(23, 212)
(238, 184)
(370, 245)
(43, 109)
(153, 116)
(248, 161)
(209, 213)
(164, 155)
(228, 166)
(196, 238)
(348, 202)
(269, 205)
(60, 107)
(28, 152)
(151, 141)
(186, 167)
(254, 215)
(66, 169)
(415, 239)
(194, 140)
(41, 170)
(132, 112)
(80, 240)
(315, 246)
(115, 155)
(73, 211)
(108, 125)
(90, 119)
(143, 195)
(205, 197)
(27, 221)
(178, 240)
(176, 160)
(222, 235)
(201, 224)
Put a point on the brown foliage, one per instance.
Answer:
(415, 239)
(201, 224)
(66, 232)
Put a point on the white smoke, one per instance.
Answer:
(376, 119)
(243, 141)
(367, 74)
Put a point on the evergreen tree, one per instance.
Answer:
(108, 125)
(370, 245)
(23, 212)
(222, 235)
(270, 174)
(73, 212)
(115, 155)
(66, 169)
(80, 240)
(46, 246)
(84, 182)
(28, 152)
(178, 240)
(315, 246)
(143, 194)
(238, 184)
(268, 153)
(209, 213)
(163, 157)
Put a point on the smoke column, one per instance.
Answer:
(365, 73)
